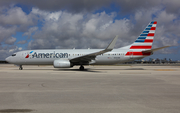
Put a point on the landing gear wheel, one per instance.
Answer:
(81, 68)
(20, 67)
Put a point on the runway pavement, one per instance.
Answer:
(98, 89)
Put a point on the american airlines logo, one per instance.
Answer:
(28, 54)
(48, 55)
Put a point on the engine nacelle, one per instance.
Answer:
(62, 64)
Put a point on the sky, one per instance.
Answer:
(81, 24)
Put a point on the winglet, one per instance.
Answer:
(112, 44)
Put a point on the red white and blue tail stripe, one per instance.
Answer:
(144, 41)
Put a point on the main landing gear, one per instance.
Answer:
(81, 68)
(20, 67)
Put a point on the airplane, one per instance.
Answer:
(66, 58)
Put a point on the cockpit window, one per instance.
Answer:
(13, 54)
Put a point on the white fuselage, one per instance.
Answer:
(47, 57)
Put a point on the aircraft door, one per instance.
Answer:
(22, 56)
(26, 55)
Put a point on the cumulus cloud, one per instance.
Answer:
(15, 16)
(22, 42)
(6, 32)
(46, 15)
(13, 20)
(30, 31)
(10, 40)
(79, 30)
(167, 31)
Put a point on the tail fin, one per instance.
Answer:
(145, 40)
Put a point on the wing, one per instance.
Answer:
(89, 57)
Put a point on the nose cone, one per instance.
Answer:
(8, 59)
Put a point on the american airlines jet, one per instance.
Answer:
(66, 58)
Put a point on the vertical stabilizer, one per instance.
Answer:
(145, 40)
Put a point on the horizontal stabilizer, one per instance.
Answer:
(156, 49)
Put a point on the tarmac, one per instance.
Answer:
(98, 89)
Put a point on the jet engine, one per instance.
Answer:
(62, 64)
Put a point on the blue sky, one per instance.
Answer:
(59, 24)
